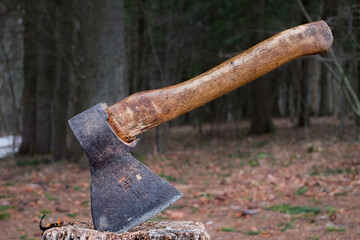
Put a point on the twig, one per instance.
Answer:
(306, 14)
(51, 225)
(342, 80)
(152, 44)
(40, 224)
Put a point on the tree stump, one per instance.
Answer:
(164, 230)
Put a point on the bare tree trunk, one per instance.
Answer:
(315, 73)
(106, 52)
(100, 69)
(47, 74)
(81, 93)
(341, 127)
(314, 76)
(292, 91)
(137, 79)
(162, 67)
(304, 112)
(261, 102)
(356, 35)
(30, 72)
(325, 95)
(63, 82)
(357, 117)
(162, 137)
(262, 88)
(100, 73)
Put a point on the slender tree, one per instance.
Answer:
(304, 110)
(101, 52)
(262, 89)
(60, 111)
(99, 56)
(28, 133)
(47, 59)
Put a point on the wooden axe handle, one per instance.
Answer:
(144, 110)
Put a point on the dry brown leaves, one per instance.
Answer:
(224, 175)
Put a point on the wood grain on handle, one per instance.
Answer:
(144, 110)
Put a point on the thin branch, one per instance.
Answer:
(343, 80)
(352, 95)
(1, 82)
(153, 48)
(303, 9)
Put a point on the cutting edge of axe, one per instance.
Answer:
(124, 192)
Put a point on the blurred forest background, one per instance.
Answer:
(58, 58)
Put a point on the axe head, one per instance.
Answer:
(124, 192)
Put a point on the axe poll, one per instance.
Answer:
(124, 192)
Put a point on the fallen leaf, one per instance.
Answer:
(238, 214)
(253, 229)
(265, 234)
(174, 214)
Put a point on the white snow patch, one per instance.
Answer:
(6, 145)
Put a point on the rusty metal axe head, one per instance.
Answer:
(124, 192)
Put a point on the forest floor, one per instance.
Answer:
(273, 186)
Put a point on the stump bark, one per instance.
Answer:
(164, 230)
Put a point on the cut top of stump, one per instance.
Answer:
(164, 230)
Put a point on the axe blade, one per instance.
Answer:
(124, 192)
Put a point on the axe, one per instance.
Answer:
(124, 192)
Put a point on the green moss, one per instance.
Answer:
(335, 229)
(72, 215)
(49, 197)
(261, 155)
(228, 229)
(4, 196)
(23, 237)
(330, 209)
(85, 203)
(252, 233)
(254, 163)
(77, 188)
(5, 216)
(301, 191)
(287, 209)
(2, 208)
(285, 226)
(169, 178)
(44, 212)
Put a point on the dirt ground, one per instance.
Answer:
(274, 186)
